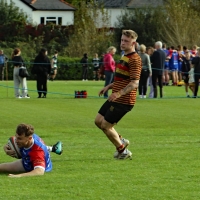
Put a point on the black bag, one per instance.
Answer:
(23, 72)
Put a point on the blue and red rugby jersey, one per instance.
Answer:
(173, 62)
(36, 156)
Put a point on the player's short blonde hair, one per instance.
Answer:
(130, 33)
(142, 48)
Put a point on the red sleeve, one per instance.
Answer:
(170, 53)
(193, 52)
(37, 157)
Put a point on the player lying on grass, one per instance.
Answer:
(35, 154)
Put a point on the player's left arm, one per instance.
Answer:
(36, 172)
(38, 161)
(130, 87)
(135, 71)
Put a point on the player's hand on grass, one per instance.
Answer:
(9, 151)
(14, 175)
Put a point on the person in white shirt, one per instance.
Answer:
(54, 66)
(96, 62)
(191, 79)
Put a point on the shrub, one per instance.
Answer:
(68, 68)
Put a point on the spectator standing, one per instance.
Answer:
(17, 63)
(185, 70)
(84, 62)
(180, 56)
(166, 68)
(137, 47)
(173, 64)
(194, 50)
(42, 67)
(158, 62)
(54, 66)
(109, 65)
(196, 63)
(101, 68)
(95, 62)
(3, 60)
(146, 71)
(150, 51)
(185, 49)
(191, 79)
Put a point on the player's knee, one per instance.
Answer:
(104, 127)
(97, 123)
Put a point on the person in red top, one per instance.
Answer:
(194, 50)
(123, 97)
(109, 67)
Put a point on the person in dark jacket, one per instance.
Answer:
(158, 62)
(186, 60)
(196, 63)
(84, 62)
(42, 67)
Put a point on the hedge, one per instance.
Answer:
(68, 68)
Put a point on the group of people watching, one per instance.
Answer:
(43, 67)
(159, 66)
(97, 63)
(184, 64)
(103, 68)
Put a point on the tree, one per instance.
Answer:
(12, 22)
(181, 24)
(144, 22)
(91, 33)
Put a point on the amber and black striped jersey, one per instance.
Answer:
(128, 69)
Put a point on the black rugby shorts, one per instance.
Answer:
(113, 112)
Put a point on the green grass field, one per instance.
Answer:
(164, 136)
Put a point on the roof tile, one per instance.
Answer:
(49, 4)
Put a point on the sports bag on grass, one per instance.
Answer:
(23, 72)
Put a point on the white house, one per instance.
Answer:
(115, 8)
(44, 11)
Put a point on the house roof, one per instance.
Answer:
(130, 3)
(143, 3)
(114, 3)
(49, 5)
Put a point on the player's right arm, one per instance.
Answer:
(9, 151)
(105, 89)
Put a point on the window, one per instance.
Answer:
(42, 20)
(51, 20)
(60, 20)
(54, 20)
